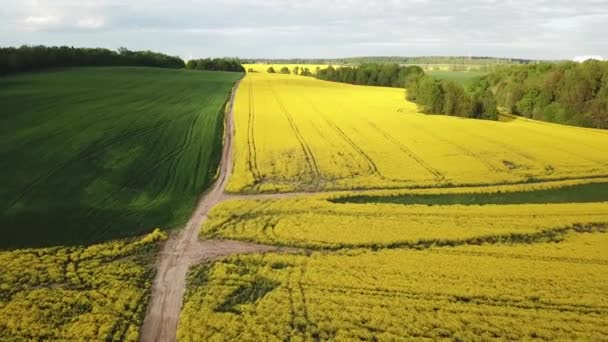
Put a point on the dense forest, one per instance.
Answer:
(457, 60)
(216, 64)
(449, 98)
(568, 93)
(27, 58)
(386, 75)
(434, 96)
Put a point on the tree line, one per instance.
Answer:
(449, 98)
(567, 93)
(28, 58)
(463, 60)
(216, 64)
(297, 70)
(432, 95)
(386, 75)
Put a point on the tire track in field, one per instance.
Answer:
(172, 160)
(312, 162)
(292, 307)
(171, 157)
(549, 169)
(308, 155)
(556, 147)
(371, 164)
(305, 302)
(232, 220)
(88, 152)
(439, 177)
(372, 167)
(279, 214)
(462, 149)
(561, 259)
(252, 157)
(535, 131)
(178, 153)
(476, 300)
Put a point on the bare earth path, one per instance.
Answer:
(184, 250)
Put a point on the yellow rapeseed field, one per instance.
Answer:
(317, 223)
(543, 291)
(388, 250)
(299, 133)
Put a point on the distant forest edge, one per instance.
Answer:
(567, 93)
(216, 64)
(422, 60)
(28, 58)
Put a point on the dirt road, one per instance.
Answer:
(184, 250)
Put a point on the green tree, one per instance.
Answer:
(430, 95)
(455, 101)
(306, 72)
(191, 64)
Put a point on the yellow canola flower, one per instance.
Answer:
(94, 293)
(296, 133)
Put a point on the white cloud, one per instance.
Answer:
(315, 28)
(90, 22)
(35, 23)
(581, 59)
(47, 20)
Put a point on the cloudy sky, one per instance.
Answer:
(544, 29)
